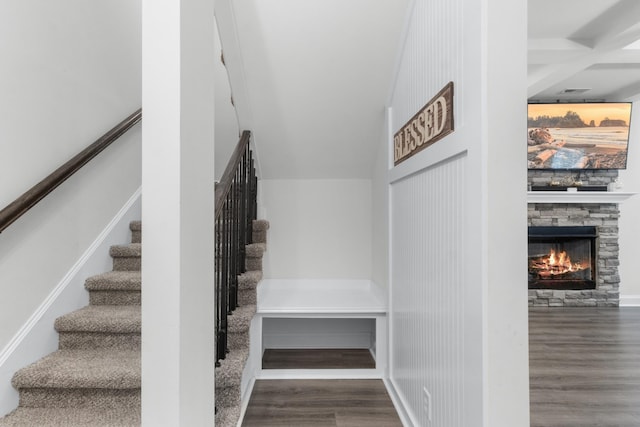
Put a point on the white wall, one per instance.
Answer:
(319, 229)
(380, 214)
(71, 71)
(178, 213)
(629, 214)
(458, 291)
(227, 132)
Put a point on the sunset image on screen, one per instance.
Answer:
(578, 136)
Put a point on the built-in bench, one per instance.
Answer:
(320, 314)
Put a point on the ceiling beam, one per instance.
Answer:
(553, 74)
(609, 26)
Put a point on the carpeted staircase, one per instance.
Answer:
(229, 373)
(94, 378)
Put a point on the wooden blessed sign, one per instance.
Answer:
(432, 123)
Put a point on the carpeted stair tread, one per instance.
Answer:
(255, 250)
(128, 250)
(249, 279)
(115, 281)
(240, 320)
(124, 319)
(82, 369)
(73, 417)
(135, 225)
(229, 373)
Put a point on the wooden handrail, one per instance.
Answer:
(22, 204)
(224, 186)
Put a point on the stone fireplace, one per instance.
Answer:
(569, 210)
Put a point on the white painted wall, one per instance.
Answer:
(458, 291)
(178, 213)
(318, 333)
(227, 132)
(380, 214)
(319, 229)
(629, 213)
(71, 71)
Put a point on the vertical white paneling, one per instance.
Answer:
(457, 236)
(428, 240)
(432, 58)
(428, 229)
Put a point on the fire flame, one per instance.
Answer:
(560, 262)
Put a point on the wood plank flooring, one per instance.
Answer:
(320, 403)
(584, 367)
(339, 358)
(584, 372)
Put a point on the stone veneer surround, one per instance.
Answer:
(602, 215)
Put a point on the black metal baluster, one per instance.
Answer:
(236, 208)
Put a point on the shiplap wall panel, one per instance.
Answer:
(432, 57)
(428, 223)
(427, 311)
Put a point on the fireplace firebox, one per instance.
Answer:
(562, 257)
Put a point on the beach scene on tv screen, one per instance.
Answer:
(578, 136)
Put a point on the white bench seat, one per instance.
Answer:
(320, 299)
(319, 296)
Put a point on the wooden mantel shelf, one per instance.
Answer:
(577, 196)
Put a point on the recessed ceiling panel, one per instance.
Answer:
(561, 18)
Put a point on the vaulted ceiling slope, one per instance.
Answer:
(310, 79)
(584, 50)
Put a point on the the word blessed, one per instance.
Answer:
(433, 122)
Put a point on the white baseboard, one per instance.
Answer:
(245, 400)
(37, 337)
(629, 300)
(400, 405)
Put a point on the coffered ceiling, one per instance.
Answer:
(584, 50)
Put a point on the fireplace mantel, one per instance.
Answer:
(577, 196)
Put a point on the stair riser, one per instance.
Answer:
(115, 298)
(259, 237)
(252, 264)
(228, 397)
(237, 341)
(126, 263)
(247, 297)
(136, 236)
(79, 398)
(89, 340)
(247, 285)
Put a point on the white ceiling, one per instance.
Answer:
(310, 78)
(584, 44)
(316, 76)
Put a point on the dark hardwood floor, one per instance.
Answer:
(320, 403)
(584, 372)
(584, 367)
(339, 358)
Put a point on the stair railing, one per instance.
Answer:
(235, 211)
(31, 197)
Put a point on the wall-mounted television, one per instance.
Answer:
(578, 136)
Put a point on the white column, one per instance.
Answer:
(506, 356)
(177, 213)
